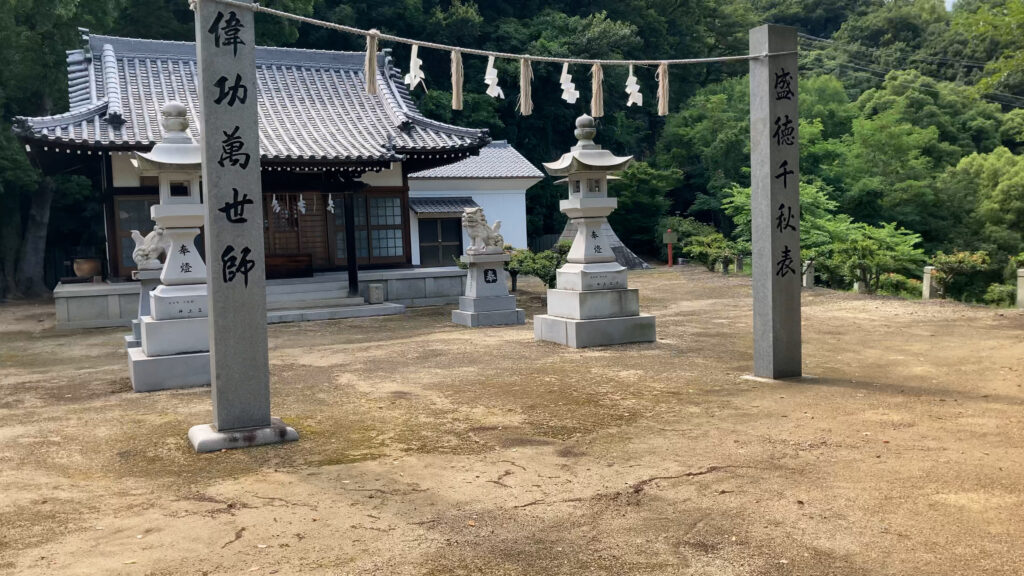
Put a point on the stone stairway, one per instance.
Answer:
(319, 298)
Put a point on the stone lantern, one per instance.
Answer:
(176, 163)
(173, 332)
(592, 304)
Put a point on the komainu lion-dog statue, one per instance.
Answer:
(483, 239)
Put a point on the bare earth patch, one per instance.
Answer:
(428, 448)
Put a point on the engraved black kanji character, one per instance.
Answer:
(235, 265)
(784, 173)
(784, 131)
(235, 210)
(785, 264)
(230, 27)
(186, 268)
(783, 85)
(784, 218)
(237, 92)
(183, 250)
(231, 150)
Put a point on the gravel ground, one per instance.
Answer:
(428, 448)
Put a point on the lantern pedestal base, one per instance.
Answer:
(599, 332)
(592, 276)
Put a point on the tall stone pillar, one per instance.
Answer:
(928, 290)
(226, 44)
(1020, 288)
(809, 274)
(775, 202)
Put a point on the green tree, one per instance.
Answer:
(865, 253)
(642, 202)
(956, 266)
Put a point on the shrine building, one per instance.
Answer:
(321, 136)
(325, 144)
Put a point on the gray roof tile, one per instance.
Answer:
(441, 205)
(313, 105)
(496, 160)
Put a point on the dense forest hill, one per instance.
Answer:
(911, 116)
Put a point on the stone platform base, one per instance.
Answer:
(594, 304)
(495, 318)
(131, 342)
(168, 372)
(205, 438)
(599, 332)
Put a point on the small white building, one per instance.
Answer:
(496, 180)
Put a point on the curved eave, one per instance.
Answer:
(587, 161)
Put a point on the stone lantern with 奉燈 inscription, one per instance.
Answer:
(174, 326)
(592, 304)
(176, 163)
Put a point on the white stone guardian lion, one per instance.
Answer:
(149, 248)
(483, 239)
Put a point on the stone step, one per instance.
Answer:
(304, 315)
(319, 303)
(297, 287)
(308, 295)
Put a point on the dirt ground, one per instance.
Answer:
(428, 448)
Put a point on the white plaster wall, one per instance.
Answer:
(391, 177)
(503, 200)
(124, 174)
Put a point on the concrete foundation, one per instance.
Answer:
(588, 333)
(495, 318)
(149, 374)
(594, 304)
(206, 438)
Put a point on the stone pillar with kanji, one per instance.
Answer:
(775, 202)
(239, 358)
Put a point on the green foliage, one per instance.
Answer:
(685, 228)
(951, 267)
(899, 285)
(864, 253)
(1001, 295)
(710, 249)
(641, 194)
(543, 265)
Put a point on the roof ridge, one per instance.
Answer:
(192, 43)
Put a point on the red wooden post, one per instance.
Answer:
(670, 238)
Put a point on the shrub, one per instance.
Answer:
(1001, 294)
(899, 285)
(950, 267)
(710, 249)
(685, 228)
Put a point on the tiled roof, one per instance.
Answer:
(313, 105)
(441, 205)
(497, 160)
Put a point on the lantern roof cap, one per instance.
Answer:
(177, 148)
(586, 156)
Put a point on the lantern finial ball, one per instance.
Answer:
(585, 128)
(174, 117)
